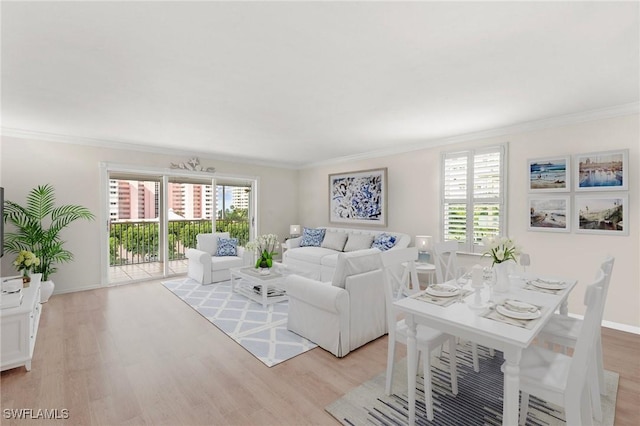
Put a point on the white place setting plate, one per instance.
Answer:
(518, 310)
(548, 284)
(443, 290)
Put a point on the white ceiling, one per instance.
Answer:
(299, 83)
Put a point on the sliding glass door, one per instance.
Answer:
(154, 219)
(134, 228)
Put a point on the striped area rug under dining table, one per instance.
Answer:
(479, 399)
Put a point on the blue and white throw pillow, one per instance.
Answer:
(227, 247)
(312, 237)
(384, 241)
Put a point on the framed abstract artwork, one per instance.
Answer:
(602, 171)
(358, 197)
(602, 214)
(549, 213)
(551, 174)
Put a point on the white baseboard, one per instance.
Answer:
(75, 290)
(614, 325)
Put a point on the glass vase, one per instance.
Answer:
(26, 279)
(264, 267)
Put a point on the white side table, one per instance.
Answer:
(427, 268)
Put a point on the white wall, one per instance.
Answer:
(414, 197)
(74, 171)
(289, 196)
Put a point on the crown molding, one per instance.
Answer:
(133, 146)
(529, 126)
(559, 121)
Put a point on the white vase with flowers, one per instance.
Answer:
(25, 262)
(502, 251)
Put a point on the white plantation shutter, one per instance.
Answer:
(455, 196)
(473, 196)
(486, 181)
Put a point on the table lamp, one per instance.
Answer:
(423, 243)
(294, 231)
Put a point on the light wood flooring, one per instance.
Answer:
(137, 355)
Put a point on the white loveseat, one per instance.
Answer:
(320, 262)
(207, 268)
(344, 314)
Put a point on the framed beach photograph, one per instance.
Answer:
(550, 213)
(602, 171)
(550, 174)
(358, 197)
(602, 214)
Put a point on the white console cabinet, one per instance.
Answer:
(19, 328)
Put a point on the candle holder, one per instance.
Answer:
(477, 285)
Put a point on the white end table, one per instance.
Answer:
(427, 268)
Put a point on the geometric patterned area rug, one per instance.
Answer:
(479, 399)
(262, 332)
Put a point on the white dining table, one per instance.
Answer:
(466, 322)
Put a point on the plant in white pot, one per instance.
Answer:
(38, 226)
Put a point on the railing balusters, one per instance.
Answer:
(141, 238)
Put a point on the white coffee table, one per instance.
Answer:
(264, 289)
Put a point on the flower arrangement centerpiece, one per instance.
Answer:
(265, 248)
(25, 261)
(501, 250)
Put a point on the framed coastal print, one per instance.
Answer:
(602, 214)
(358, 197)
(550, 213)
(602, 171)
(551, 174)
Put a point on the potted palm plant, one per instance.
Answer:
(38, 226)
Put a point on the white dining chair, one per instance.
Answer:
(561, 379)
(427, 338)
(402, 275)
(447, 269)
(563, 330)
(446, 261)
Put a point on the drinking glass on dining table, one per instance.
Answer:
(525, 260)
(489, 278)
(461, 281)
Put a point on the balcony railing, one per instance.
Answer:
(134, 242)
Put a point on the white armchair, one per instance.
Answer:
(206, 267)
(344, 314)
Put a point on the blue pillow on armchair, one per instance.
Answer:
(312, 237)
(227, 247)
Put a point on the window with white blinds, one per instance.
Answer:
(473, 196)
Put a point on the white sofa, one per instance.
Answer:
(207, 268)
(344, 314)
(320, 262)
